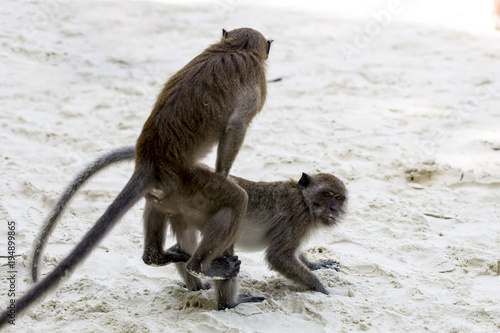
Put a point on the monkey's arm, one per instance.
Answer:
(319, 264)
(229, 146)
(248, 103)
(287, 263)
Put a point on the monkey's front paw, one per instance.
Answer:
(319, 288)
(225, 267)
(327, 264)
(151, 258)
(175, 254)
(178, 256)
(222, 268)
(157, 258)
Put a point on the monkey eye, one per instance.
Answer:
(339, 198)
(327, 194)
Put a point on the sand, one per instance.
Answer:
(400, 99)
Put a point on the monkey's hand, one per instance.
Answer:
(228, 266)
(222, 268)
(175, 256)
(319, 264)
(157, 258)
(322, 264)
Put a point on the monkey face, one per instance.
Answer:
(328, 206)
(326, 195)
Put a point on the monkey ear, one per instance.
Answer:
(269, 45)
(304, 181)
(224, 33)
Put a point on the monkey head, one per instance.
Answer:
(325, 195)
(248, 39)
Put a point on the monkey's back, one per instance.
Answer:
(196, 104)
(271, 206)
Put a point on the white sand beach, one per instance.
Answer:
(399, 99)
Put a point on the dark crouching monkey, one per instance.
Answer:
(279, 217)
(209, 102)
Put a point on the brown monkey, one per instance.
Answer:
(209, 102)
(284, 214)
(279, 216)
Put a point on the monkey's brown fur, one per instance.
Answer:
(209, 102)
(279, 217)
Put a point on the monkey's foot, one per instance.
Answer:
(326, 264)
(321, 289)
(162, 258)
(222, 268)
(175, 254)
(175, 257)
(246, 298)
(242, 298)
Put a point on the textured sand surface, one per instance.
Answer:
(405, 108)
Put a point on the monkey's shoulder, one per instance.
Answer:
(278, 202)
(266, 190)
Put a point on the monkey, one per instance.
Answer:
(279, 217)
(209, 102)
(284, 214)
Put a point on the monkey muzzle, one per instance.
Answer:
(333, 211)
(332, 214)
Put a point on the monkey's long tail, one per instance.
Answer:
(136, 187)
(119, 155)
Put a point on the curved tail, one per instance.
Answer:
(119, 155)
(135, 189)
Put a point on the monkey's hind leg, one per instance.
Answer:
(155, 224)
(228, 297)
(227, 292)
(227, 202)
(187, 241)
